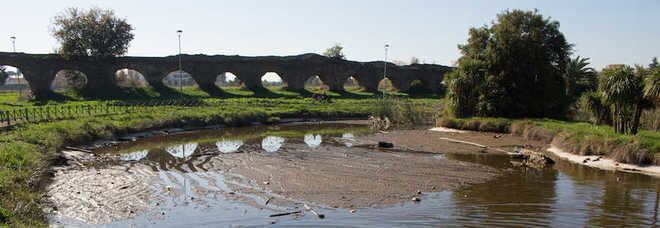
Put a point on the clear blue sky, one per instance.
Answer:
(606, 31)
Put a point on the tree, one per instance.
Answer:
(414, 60)
(654, 63)
(516, 68)
(96, 32)
(579, 77)
(621, 88)
(652, 85)
(335, 52)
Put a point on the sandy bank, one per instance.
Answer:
(604, 163)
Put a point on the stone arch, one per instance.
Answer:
(227, 80)
(12, 79)
(179, 80)
(315, 83)
(386, 85)
(127, 77)
(417, 86)
(352, 83)
(272, 80)
(69, 79)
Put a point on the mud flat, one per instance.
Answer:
(344, 171)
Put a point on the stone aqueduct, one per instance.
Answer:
(39, 70)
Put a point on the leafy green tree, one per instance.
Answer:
(96, 32)
(654, 63)
(521, 63)
(579, 77)
(621, 88)
(335, 51)
(414, 60)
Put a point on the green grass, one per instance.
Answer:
(28, 150)
(575, 137)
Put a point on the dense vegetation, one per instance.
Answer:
(507, 68)
(519, 67)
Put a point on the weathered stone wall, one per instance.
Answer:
(40, 69)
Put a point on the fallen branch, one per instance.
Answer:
(78, 149)
(285, 213)
(321, 216)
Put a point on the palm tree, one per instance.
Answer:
(621, 89)
(652, 85)
(579, 77)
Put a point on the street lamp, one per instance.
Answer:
(179, 32)
(387, 46)
(18, 71)
(13, 43)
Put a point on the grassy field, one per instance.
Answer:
(29, 150)
(11, 100)
(575, 137)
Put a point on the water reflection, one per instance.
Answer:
(272, 143)
(183, 150)
(348, 139)
(229, 146)
(313, 141)
(134, 156)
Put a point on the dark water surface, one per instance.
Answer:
(565, 195)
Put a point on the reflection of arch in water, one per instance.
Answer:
(313, 141)
(183, 150)
(272, 143)
(134, 156)
(348, 139)
(229, 146)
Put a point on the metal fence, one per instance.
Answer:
(62, 112)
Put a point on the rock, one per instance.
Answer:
(530, 158)
(383, 144)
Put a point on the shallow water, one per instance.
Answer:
(565, 195)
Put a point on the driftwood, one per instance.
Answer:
(285, 213)
(78, 149)
(321, 216)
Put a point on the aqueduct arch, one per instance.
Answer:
(40, 69)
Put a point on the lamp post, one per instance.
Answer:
(13, 43)
(18, 72)
(179, 32)
(387, 46)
